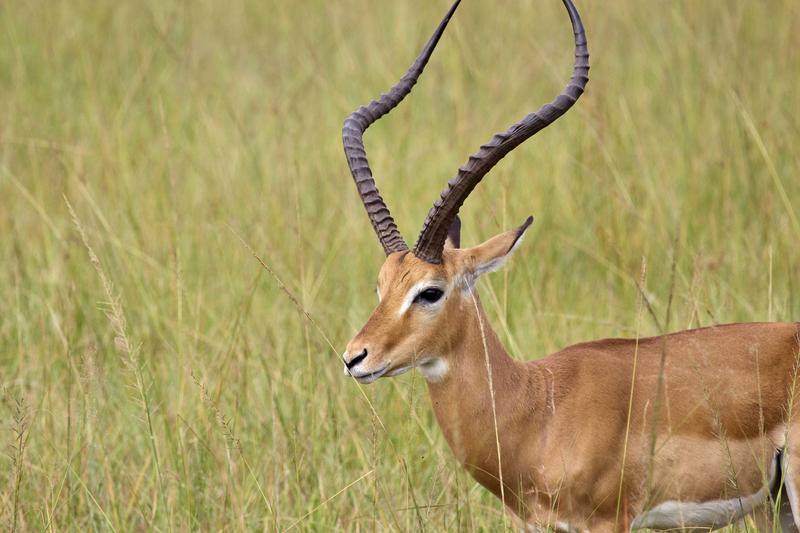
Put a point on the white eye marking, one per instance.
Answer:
(378, 291)
(414, 291)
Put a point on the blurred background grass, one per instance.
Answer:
(168, 123)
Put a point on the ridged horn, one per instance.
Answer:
(352, 138)
(437, 224)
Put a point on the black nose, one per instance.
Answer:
(357, 359)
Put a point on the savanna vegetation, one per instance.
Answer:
(156, 375)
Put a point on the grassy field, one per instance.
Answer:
(155, 376)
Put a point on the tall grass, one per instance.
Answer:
(166, 124)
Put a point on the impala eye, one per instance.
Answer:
(429, 296)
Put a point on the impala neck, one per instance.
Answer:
(462, 401)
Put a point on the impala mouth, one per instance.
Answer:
(400, 370)
(369, 377)
(387, 371)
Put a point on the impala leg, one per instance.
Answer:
(786, 518)
(763, 520)
(791, 473)
(789, 509)
(776, 513)
(767, 522)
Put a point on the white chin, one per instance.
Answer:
(368, 377)
(366, 380)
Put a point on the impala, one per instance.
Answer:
(690, 430)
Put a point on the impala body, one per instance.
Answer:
(701, 453)
(693, 430)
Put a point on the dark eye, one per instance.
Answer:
(429, 296)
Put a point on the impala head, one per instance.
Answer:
(419, 317)
(425, 293)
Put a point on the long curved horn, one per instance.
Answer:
(434, 231)
(353, 131)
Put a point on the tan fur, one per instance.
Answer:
(561, 420)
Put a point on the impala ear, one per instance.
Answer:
(492, 254)
(454, 234)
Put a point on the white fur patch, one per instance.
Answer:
(434, 370)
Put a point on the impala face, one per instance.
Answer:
(416, 321)
(414, 300)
